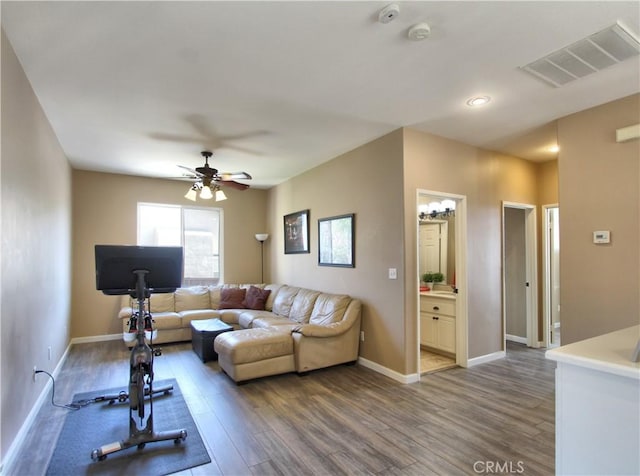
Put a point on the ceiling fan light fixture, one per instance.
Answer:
(220, 195)
(192, 194)
(205, 193)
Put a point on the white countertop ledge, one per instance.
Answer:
(438, 295)
(610, 353)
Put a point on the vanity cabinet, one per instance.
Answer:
(438, 322)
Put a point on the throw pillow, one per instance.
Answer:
(256, 298)
(232, 298)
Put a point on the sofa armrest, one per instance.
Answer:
(126, 313)
(351, 317)
(314, 330)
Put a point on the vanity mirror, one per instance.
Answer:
(436, 218)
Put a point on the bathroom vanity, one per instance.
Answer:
(438, 321)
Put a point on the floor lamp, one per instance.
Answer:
(262, 237)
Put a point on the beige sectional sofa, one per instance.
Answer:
(297, 330)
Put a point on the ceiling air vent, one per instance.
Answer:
(596, 52)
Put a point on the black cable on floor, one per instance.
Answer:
(70, 406)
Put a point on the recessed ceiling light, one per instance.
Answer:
(478, 101)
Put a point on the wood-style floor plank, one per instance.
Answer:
(343, 420)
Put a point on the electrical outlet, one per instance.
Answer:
(35, 369)
(361, 336)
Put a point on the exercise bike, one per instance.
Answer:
(141, 429)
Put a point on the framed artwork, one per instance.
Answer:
(296, 232)
(336, 241)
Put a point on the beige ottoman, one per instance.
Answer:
(253, 353)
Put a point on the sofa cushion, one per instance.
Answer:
(274, 288)
(272, 320)
(230, 316)
(284, 300)
(197, 315)
(252, 345)
(246, 318)
(163, 302)
(214, 296)
(232, 298)
(196, 297)
(303, 305)
(167, 320)
(256, 298)
(329, 308)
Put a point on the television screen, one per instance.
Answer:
(115, 266)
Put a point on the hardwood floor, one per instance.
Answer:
(343, 420)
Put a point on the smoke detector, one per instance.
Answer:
(419, 31)
(389, 13)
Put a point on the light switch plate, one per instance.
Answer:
(393, 273)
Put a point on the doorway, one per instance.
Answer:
(519, 274)
(551, 275)
(451, 255)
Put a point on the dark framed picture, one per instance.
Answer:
(296, 232)
(336, 241)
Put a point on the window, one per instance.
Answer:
(197, 230)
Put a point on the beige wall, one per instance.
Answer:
(599, 183)
(547, 182)
(105, 212)
(368, 182)
(36, 247)
(486, 179)
(379, 182)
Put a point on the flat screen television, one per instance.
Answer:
(115, 266)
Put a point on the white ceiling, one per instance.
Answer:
(276, 88)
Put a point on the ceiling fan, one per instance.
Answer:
(208, 180)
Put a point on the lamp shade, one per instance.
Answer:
(262, 236)
(191, 194)
(220, 195)
(205, 193)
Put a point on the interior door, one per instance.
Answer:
(515, 279)
(429, 248)
(553, 254)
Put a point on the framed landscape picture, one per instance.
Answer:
(296, 232)
(336, 241)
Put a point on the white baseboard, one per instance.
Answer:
(483, 359)
(398, 377)
(89, 339)
(518, 339)
(18, 441)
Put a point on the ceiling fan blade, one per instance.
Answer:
(191, 171)
(234, 175)
(233, 184)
